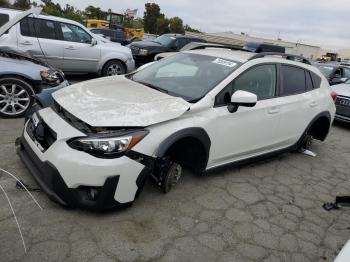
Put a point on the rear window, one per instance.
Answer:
(293, 80)
(4, 18)
(43, 28)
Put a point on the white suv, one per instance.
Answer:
(199, 109)
(64, 44)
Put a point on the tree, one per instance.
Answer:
(162, 25)
(70, 12)
(51, 8)
(22, 4)
(150, 17)
(92, 12)
(176, 25)
(4, 3)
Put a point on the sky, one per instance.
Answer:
(318, 22)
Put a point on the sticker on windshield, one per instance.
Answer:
(224, 62)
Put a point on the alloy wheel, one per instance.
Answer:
(114, 69)
(14, 99)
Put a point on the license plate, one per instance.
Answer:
(343, 102)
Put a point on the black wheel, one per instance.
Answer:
(16, 96)
(112, 68)
(172, 177)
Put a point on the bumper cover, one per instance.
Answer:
(51, 182)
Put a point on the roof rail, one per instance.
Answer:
(203, 46)
(296, 58)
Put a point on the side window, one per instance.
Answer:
(45, 29)
(309, 85)
(4, 18)
(27, 27)
(260, 80)
(180, 43)
(346, 72)
(316, 80)
(293, 80)
(73, 33)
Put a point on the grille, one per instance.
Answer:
(72, 120)
(41, 134)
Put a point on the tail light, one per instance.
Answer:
(334, 95)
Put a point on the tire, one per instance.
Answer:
(172, 177)
(16, 96)
(113, 67)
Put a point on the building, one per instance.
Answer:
(307, 51)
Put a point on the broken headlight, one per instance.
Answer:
(108, 145)
(52, 77)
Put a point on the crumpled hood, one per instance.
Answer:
(117, 101)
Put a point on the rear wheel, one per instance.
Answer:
(16, 96)
(113, 67)
(306, 142)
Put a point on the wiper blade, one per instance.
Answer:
(153, 87)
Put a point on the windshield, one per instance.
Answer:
(187, 75)
(326, 70)
(164, 40)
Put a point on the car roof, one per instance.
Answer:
(13, 12)
(238, 56)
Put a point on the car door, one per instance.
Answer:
(298, 105)
(79, 54)
(40, 37)
(251, 130)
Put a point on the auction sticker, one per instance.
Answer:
(224, 62)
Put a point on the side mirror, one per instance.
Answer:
(93, 42)
(242, 98)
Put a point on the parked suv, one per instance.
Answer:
(145, 51)
(65, 44)
(199, 109)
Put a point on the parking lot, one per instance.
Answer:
(267, 211)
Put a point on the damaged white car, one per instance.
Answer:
(202, 109)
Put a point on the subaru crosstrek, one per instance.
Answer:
(201, 109)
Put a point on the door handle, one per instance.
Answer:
(70, 48)
(313, 104)
(274, 110)
(26, 43)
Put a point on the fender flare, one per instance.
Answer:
(326, 114)
(192, 132)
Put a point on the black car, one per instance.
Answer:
(115, 35)
(335, 73)
(261, 48)
(145, 51)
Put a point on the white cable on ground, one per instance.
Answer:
(14, 215)
(14, 177)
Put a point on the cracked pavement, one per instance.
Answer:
(266, 211)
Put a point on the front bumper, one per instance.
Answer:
(68, 175)
(141, 59)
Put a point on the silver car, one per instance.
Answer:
(64, 44)
(342, 102)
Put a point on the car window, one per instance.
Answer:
(177, 70)
(4, 18)
(96, 31)
(180, 43)
(316, 80)
(293, 80)
(260, 80)
(73, 33)
(308, 81)
(45, 29)
(346, 72)
(27, 27)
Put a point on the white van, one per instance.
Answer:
(65, 44)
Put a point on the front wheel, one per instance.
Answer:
(112, 68)
(16, 96)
